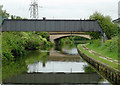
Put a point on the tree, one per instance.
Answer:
(107, 25)
(4, 13)
(16, 17)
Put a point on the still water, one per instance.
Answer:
(62, 66)
(57, 66)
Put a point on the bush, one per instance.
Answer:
(43, 34)
(33, 43)
(112, 45)
(109, 45)
(14, 44)
(96, 43)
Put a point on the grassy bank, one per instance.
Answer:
(110, 64)
(109, 50)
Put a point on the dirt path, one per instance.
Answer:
(100, 56)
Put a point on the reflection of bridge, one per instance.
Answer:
(50, 78)
(63, 57)
(57, 35)
(58, 56)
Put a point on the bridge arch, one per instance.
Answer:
(54, 37)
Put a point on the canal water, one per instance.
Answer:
(60, 66)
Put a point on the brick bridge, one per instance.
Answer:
(57, 35)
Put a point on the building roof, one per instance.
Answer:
(117, 20)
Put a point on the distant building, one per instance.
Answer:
(118, 20)
(119, 9)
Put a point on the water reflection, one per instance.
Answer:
(57, 66)
(55, 61)
(71, 51)
(14, 68)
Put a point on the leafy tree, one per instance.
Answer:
(3, 13)
(15, 17)
(107, 25)
(43, 34)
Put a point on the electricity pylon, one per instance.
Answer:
(34, 13)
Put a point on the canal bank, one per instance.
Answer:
(105, 70)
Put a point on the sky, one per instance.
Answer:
(63, 9)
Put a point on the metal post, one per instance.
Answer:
(71, 33)
(0, 54)
(104, 38)
(102, 41)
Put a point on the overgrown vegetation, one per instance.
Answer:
(15, 44)
(109, 48)
(110, 28)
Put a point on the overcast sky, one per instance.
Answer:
(63, 9)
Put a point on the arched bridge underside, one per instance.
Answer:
(54, 37)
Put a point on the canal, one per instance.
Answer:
(56, 65)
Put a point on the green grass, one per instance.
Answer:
(110, 64)
(103, 51)
(108, 49)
